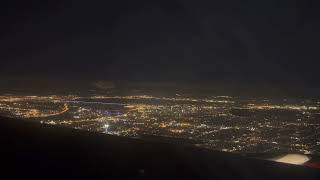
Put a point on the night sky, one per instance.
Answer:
(252, 42)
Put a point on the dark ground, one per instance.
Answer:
(32, 150)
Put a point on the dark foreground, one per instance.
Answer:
(34, 150)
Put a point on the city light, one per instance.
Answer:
(220, 122)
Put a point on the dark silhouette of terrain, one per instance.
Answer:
(33, 150)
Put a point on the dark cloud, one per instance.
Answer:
(267, 42)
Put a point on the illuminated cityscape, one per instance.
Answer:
(232, 124)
